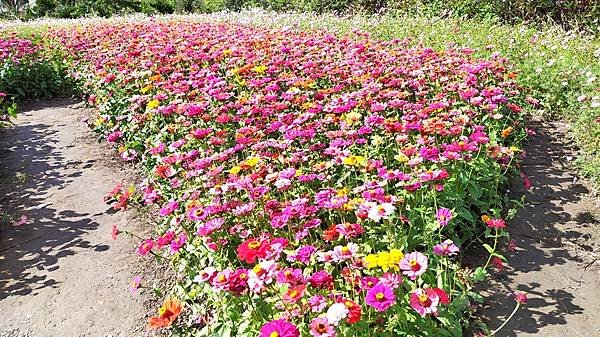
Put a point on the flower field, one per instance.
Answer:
(27, 70)
(305, 183)
(14, 53)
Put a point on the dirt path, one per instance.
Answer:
(558, 248)
(60, 274)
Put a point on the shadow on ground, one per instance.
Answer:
(556, 234)
(29, 162)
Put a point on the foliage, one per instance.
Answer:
(303, 176)
(27, 71)
(102, 8)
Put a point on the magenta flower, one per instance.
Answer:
(114, 136)
(320, 327)
(520, 297)
(443, 216)
(496, 223)
(279, 328)
(178, 243)
(446, 248)
(380, 297)
(145, 247)
(413, 265)
(321, 280)
(169, 208)
(424, 301)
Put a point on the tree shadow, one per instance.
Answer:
(545, 232)
(31, 166)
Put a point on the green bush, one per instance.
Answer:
(29, 72)
(102, 8)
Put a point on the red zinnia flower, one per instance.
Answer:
(354, 311)
(331, 233)
(444, 298)
(253, 249)
(498, 263)
(294, 294)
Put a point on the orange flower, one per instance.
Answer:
(167, 314)
(506, 132)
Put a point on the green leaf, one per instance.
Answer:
(466, 214)
(479, 274)
(488, 248)
(222, 331)
(474, 190)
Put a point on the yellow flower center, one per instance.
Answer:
(379, 296)
(274, 334)
(254, 244)
(423, 298)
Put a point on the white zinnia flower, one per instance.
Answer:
(336, 313)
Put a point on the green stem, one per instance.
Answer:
(493, 250)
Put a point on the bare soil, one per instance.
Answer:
(61, 274)
(557, 259)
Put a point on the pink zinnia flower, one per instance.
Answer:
(342, 253)
(169, 208)
(114, 136)
(424, 301)
(178, 243)
(380, 297)
(279, 328)
(381, 211)
(320, 327)
(114, 232)
(496, 223)
(413, 265)
(520, 297)
(135, 284)
(317, 303)
(445, 248)
(146, 247)
(391, 280)
(443, 216)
